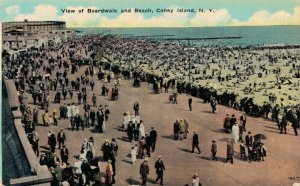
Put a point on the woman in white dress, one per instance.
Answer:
(235, 132)
(126, 120)
(142, 130)
(73, 111)
(69, 114)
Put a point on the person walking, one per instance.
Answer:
(195, 142)
(295, 125)
(214, 150)
(186, 128)
(92, 84)
(94, 100)
(160, 168)
(249, 140)
(52, 143)
(243, 120)
(35, 143)
(227, 125)
(190, 101)
(153, 137)
(235, 132)
(35, 116)
(283, 124)
(241, 130)
(230, 151)
(133, 154)
(108, 173)
(136, 108)
(61, 138)
(176, 129)
(144, 171)
(114, 147)
(64, 154)
(106, 148)
(213, 104)
(92, 117)
(148, 144)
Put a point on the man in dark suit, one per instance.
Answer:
(92, 84)
(230, 151)
(232, 121)
(295, 123)
(153, 137)
(148, 144)
(190, 101)
(77, 120)
(35, 143)
(195, 142)
(144, 171)
(64, 154)
(283, 124)
(249, 140)
(136, 108)
(61, 138)
(214, 150)
(93, 117)
(160, 167)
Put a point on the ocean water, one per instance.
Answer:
(249, 36)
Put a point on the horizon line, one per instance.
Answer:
(191, 26)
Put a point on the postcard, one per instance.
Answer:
(161, 92)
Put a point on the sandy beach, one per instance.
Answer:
(252, 72)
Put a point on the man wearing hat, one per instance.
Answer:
(92, 117)
(35, 116)
(230, 151)
(94, 100)
(190, 101)
(64, 154)
(144, 171)
(214, 150)
(61, 138)
(160, 167)
(106, 149)
(35, 143)
(195, 142)
(148, 144)
(153, 137)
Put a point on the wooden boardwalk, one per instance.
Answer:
(282, 161)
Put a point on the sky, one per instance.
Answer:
(225, 12)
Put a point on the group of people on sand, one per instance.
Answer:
(181, 129)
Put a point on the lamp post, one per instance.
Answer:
(189, 60)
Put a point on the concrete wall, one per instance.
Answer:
(42, 173)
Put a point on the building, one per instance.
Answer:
(18, 36)
(33, 26)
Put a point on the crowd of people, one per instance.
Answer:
(51, 70)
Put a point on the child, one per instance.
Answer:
(133, 154)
